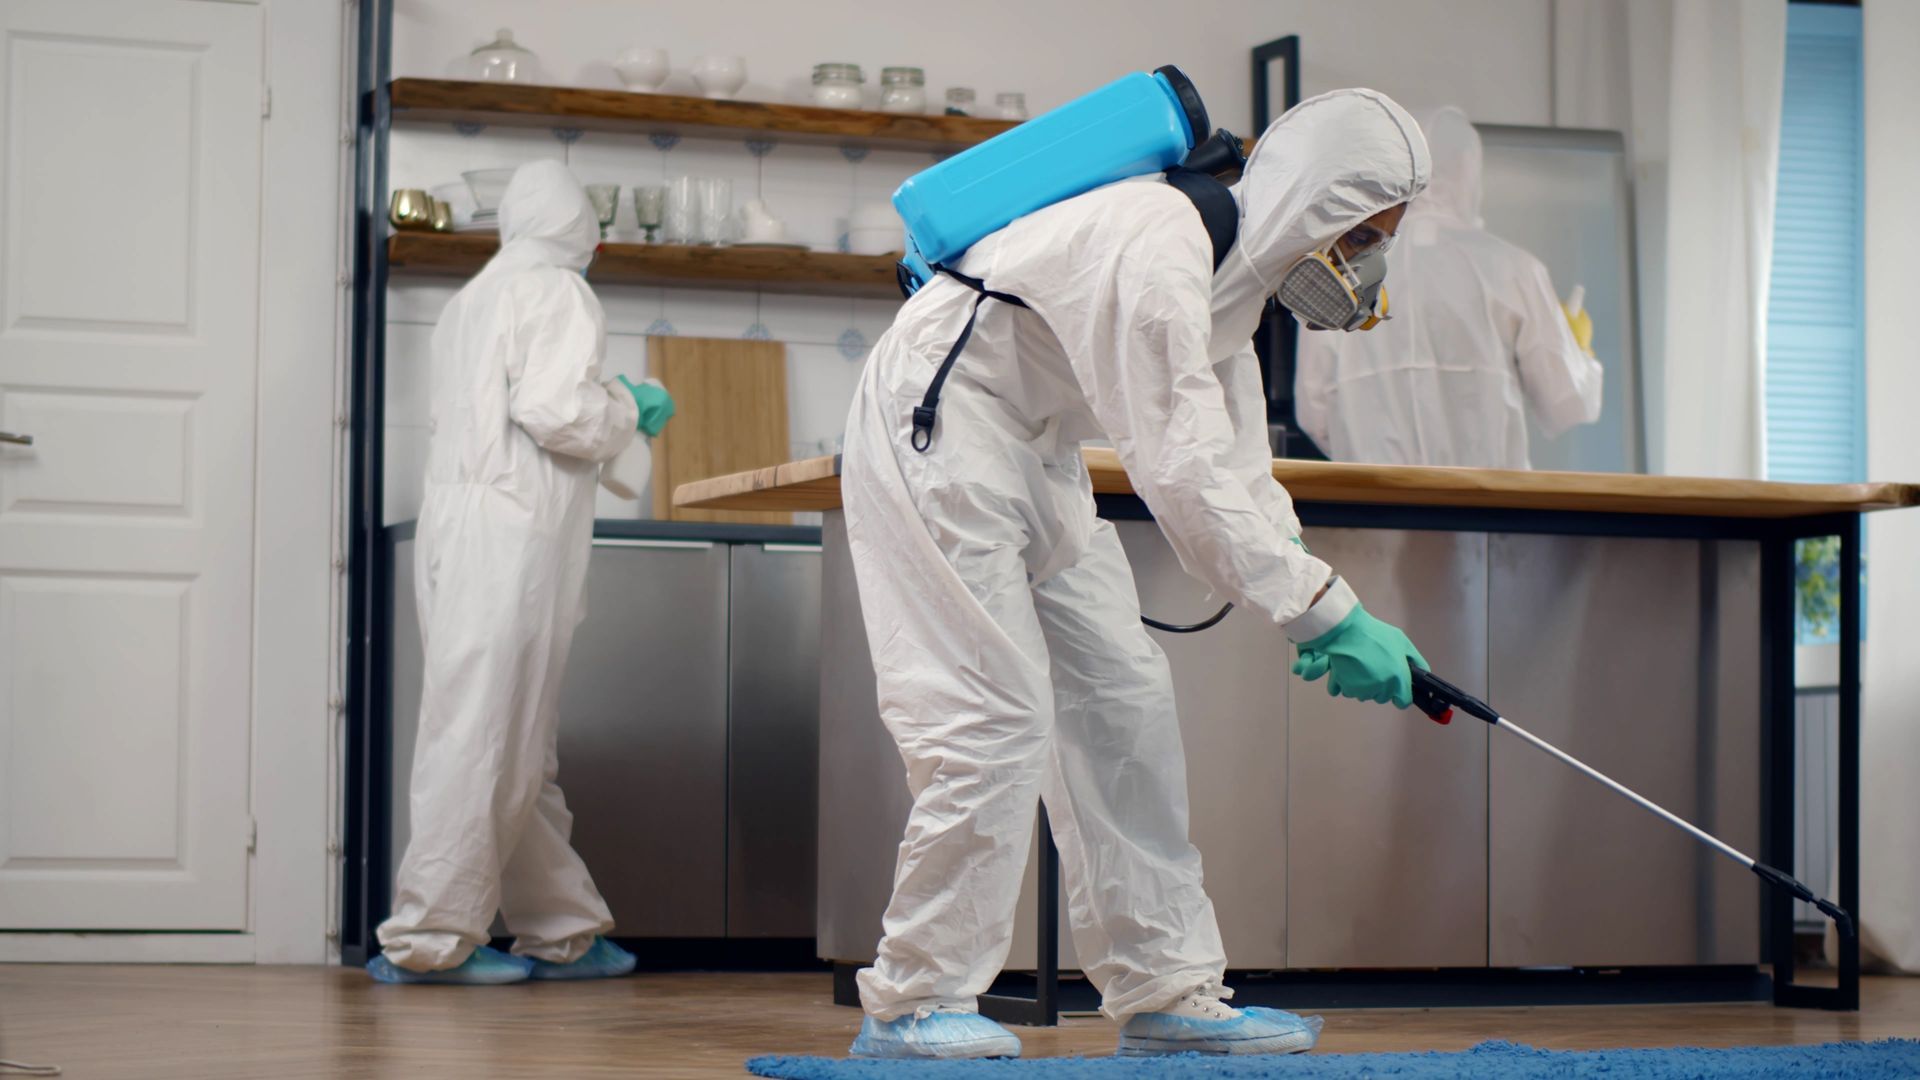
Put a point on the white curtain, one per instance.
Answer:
(1695, 84)
(1890, 697)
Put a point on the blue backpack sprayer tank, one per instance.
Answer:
(1136, 125)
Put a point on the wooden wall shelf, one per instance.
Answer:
(818, 273)
(517, 104)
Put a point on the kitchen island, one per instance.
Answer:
(1644, 624)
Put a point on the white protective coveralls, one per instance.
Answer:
(520, 423)
(1001, 612)
(1476, 335)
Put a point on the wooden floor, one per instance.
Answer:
(156, 1023)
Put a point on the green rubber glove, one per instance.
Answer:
(656, 405)
(1364, 659)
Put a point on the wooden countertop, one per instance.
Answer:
(814, 484)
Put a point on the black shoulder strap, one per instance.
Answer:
(1216, 206)
(923, 414)
(1217, 212)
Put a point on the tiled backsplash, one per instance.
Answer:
(811, 188)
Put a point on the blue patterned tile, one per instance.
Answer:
(853, 344)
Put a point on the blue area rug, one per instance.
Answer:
(1490, 1060)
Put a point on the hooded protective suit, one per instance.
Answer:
(1476, 336)
(1001, 612)
(520, 423)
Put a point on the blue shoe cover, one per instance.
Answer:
(486, 967)
(943, 1033)
(1254, 1031)
(604, 960)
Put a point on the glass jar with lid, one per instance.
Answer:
(503, 60)
(903, 90)
(837, 86)
(1011, 106)
(959, 101)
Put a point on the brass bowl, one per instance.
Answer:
(411, 209)
(442, 216)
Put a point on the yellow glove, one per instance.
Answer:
(1581, 324)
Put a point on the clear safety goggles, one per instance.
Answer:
(1364, 240)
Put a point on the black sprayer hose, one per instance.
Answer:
(1191, 628)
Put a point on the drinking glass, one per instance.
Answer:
(606, 203)
(716, 210)
(648, 202)
(680, 220)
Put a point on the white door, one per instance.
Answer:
(129, 240)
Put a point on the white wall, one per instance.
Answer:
(1890, 706)
(297, 497)
(1491, 56)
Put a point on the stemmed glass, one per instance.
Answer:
(606, 200)
(648, 204)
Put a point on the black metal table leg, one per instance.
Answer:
(1043, 1008)
(1849, 770)
(1777, 621)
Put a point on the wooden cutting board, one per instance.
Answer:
(730, 399)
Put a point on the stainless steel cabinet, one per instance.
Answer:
(643, 735)
(1386, 811)
(863, 788)
(1338, 834)
(774, 739)
(1636, 656)
(1230, 687)
(643, 730)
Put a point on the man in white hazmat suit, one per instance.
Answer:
(1477, 336)
(1001, 612)
(521, 422)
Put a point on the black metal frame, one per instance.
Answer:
(1286, 49)
(365, 779)
(1276, 340)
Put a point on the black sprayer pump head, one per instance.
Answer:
(1219, 156)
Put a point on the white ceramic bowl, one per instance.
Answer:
(487, 185)
(642, 69)
(720, 76)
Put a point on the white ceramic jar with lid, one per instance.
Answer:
(903, 90)
(503, 60)
(837, 86)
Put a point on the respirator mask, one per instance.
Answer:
(1326, 290)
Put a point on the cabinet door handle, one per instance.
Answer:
(791, 549)
(671, 545)
(17, 440)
